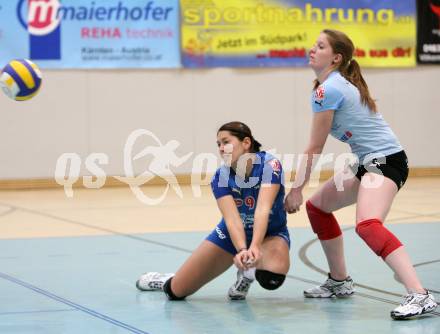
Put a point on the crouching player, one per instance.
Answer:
(252, 234)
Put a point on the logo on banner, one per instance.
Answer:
(43, 25)
(436, 10)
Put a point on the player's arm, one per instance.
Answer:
(326, 99)
(321, 126)
(233, 221)
(271, 181)
(266, 198)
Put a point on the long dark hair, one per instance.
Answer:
(241, 131)
(348, 67)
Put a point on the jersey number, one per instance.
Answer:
(249, 201)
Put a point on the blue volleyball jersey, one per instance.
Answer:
(266, 170)
(367, 133)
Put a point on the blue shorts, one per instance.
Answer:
(220, 237)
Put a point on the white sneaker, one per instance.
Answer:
(240, 288)
(413, 305)
(331, 288)
(152, 281)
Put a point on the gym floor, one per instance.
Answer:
(68, 265)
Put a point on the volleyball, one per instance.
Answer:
(20, 79)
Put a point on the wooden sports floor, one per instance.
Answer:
(68, 265)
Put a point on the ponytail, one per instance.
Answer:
(352, 73)
(255, 145)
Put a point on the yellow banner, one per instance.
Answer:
(248, 33)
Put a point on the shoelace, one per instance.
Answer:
(243, 285)
(155, 285)
(408, 299)
(412, 299)
(328, 284)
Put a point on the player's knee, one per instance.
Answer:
(323, 224)
(269, 280)
(377, 237)
(169, 292)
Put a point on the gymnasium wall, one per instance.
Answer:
(95, 111)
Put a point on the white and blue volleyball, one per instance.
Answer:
(20, 79)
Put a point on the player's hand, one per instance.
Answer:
(241, 259)
(293, 200)
(254, 255)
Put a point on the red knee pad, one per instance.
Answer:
(377, 237)
(323, 224)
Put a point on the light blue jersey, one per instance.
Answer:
(354, 123)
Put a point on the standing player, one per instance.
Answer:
(252, 234)
(343, 106)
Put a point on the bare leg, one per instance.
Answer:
(206, 263)
(375, 203)
(275, 255)
(401, 264)
(334, 252)
(330, 199)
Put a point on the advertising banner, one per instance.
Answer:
(428, 31)
(91, 33)
(249, 33)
